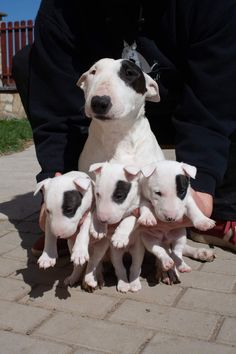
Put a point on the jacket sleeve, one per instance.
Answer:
(55, 102)
(206, 115)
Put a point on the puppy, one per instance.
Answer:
(68, 200)
(167, 191)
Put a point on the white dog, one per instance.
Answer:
(68, 200)
(167, 191)
(115, 93)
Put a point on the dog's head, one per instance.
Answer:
(116, 191)
(167, 186)
(116, 89)
(64, 197)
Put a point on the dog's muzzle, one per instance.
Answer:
(101, 106)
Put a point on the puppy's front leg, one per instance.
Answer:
(80, 252)
(97, 229)
(147, 215)
(120, 238)
(49, 255)
(199, 220)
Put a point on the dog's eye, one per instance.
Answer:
(93, 72)
(97, 195)
(158, 193)
(129, 72)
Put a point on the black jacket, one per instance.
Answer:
(194, 44)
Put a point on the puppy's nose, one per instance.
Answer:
(101, 104)
(169, 219)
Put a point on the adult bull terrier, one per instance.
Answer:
(68, 200)
(167, 191)
(115, 93)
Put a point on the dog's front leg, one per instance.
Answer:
(147, 215)
(80, 252)
(199, 220)
(120, 238)
(97, 229)
(49, 255)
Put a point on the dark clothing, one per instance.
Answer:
(194, 44)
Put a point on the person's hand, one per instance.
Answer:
(42, 214)
(205, 203)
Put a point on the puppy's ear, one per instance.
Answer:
(148, 170)
(81, 82)
(152, 89)
(82, 182)
(96, 167)
(42, 185)
(131, 172)
(189, 170)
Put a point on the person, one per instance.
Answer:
(190, 49)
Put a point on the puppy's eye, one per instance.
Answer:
(93, 72)
(97, 195)
(129, 72)
(47, 211)
(158, 193)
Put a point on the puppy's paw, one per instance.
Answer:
(98, 230)
(135, 285)
(166, 263)
(169, 278)
(184, 268)
(90, 281)
(122, 286)
(204, 224)
(79, 256)
(205, 255)
(45, 261)
(119, 240)
(147, 219)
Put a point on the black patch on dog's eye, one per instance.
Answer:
(182, 183)
(121, 191)
(71, 202)
(133, 76)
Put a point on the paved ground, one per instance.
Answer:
(39, 315)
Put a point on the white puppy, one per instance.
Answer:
(117, 194)
(115, 93)
(68, 200)
(167, 191)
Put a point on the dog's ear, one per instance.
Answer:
(152, 89)
(42, 185)
(96, 167)
(80, 83)
(189, 170)
(148, 170)
(82, 182)
(131, 172)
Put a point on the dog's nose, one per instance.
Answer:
(169, 219)
(101, 104)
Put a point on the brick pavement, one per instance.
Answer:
(39, 315)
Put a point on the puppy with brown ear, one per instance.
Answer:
(68, 199)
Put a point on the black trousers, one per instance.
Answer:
(225, 196)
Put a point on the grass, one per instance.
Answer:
(15, 135)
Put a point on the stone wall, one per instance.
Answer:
(11, 106)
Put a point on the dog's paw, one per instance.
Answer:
(166, 262)
(147, 219)
(98, 230)
(119, 240)
(45, 261)
(79, 256)
(204, 224)
(184, 268)
(122, 286)
(135, 285)
(169, 277)
(90, 281)
(205, 255)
